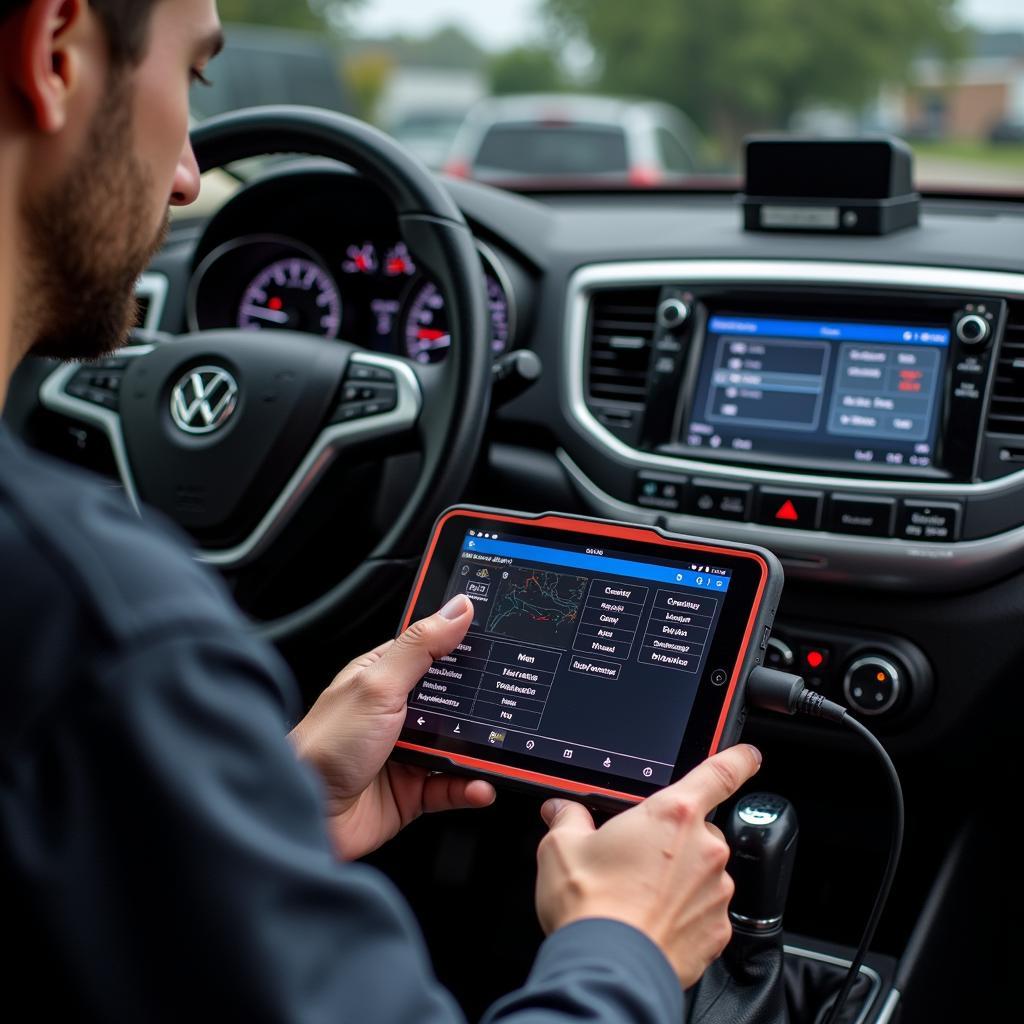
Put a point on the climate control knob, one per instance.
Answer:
(973, 329)
(672, 314)
(873, 684)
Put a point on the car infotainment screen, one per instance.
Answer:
(587, 654)
(857, 392)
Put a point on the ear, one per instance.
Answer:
(45, 57)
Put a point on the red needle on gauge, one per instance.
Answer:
(431, 334)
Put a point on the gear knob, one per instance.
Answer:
(762, 833)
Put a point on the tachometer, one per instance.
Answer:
(427, 337)
(294, 294)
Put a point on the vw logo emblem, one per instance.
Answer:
(203, 400)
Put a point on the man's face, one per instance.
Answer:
(95, 229)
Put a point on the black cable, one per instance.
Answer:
(787, 694)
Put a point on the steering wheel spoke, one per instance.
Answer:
(90, 393)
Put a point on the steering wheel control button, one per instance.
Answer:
(664, 492)
(99, 383)
(367, 391)
(929, 521)
(796, 510)
(720, 501)
(872, 684)
(362, 371)
(869, 517)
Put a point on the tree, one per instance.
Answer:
(303, 14)
(526, 69)
(738, 65)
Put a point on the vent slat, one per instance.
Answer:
(622, 327)
(1006, 408)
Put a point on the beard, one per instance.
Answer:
(85, 252)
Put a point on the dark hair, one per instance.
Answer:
(126, 23)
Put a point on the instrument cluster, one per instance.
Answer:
(366, 290)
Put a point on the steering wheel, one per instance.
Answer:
(228, 431)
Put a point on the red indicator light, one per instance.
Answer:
(275, 303)
(788, 513)
(815, 659)
(881, 677)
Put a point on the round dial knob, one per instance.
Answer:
(972, 329)
(779, 655)
(872, 684)
(673, 313)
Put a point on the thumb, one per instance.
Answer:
(566, 816)
(404, 662)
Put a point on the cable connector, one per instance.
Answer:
(787, 694)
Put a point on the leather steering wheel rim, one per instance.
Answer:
(436, 232)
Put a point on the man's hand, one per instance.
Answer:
(658, 866)
(350, 732)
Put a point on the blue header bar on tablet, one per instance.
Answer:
(598, 564)
(823, 331)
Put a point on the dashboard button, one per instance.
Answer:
(870, 517)
(797, 510)
(872, 684)
(665, 492)
(814, 658)
(929, 521)
(719, 501)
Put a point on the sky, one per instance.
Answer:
(498, 24)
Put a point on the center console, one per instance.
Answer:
(865, 421)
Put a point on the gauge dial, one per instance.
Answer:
(294, 294)
(427, 336)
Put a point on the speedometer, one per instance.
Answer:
(427, 335)
(294, 294)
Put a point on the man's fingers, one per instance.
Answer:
(449, 793)
(717, 778)
(402, 664)
(566, 816)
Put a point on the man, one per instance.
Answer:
(167, 853)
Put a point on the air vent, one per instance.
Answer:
(622, 326)
(1006, 409)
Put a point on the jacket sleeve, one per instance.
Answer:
(185, 872)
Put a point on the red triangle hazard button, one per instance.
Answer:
(787, 513)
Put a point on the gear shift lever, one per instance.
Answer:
(745, 985)
(762, 833)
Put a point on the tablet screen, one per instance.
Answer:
(593, 655)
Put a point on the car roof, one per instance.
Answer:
(570, 106)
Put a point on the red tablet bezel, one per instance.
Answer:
(590, 527)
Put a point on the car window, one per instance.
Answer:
(553, 149)
(947, 76)
(674, 156)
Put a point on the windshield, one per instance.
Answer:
(592, 93)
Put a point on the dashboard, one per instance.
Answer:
(854, 404)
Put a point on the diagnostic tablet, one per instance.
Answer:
(604, 660)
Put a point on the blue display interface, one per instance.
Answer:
(577, 653)
(858, 392)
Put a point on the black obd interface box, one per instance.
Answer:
(855, 186)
